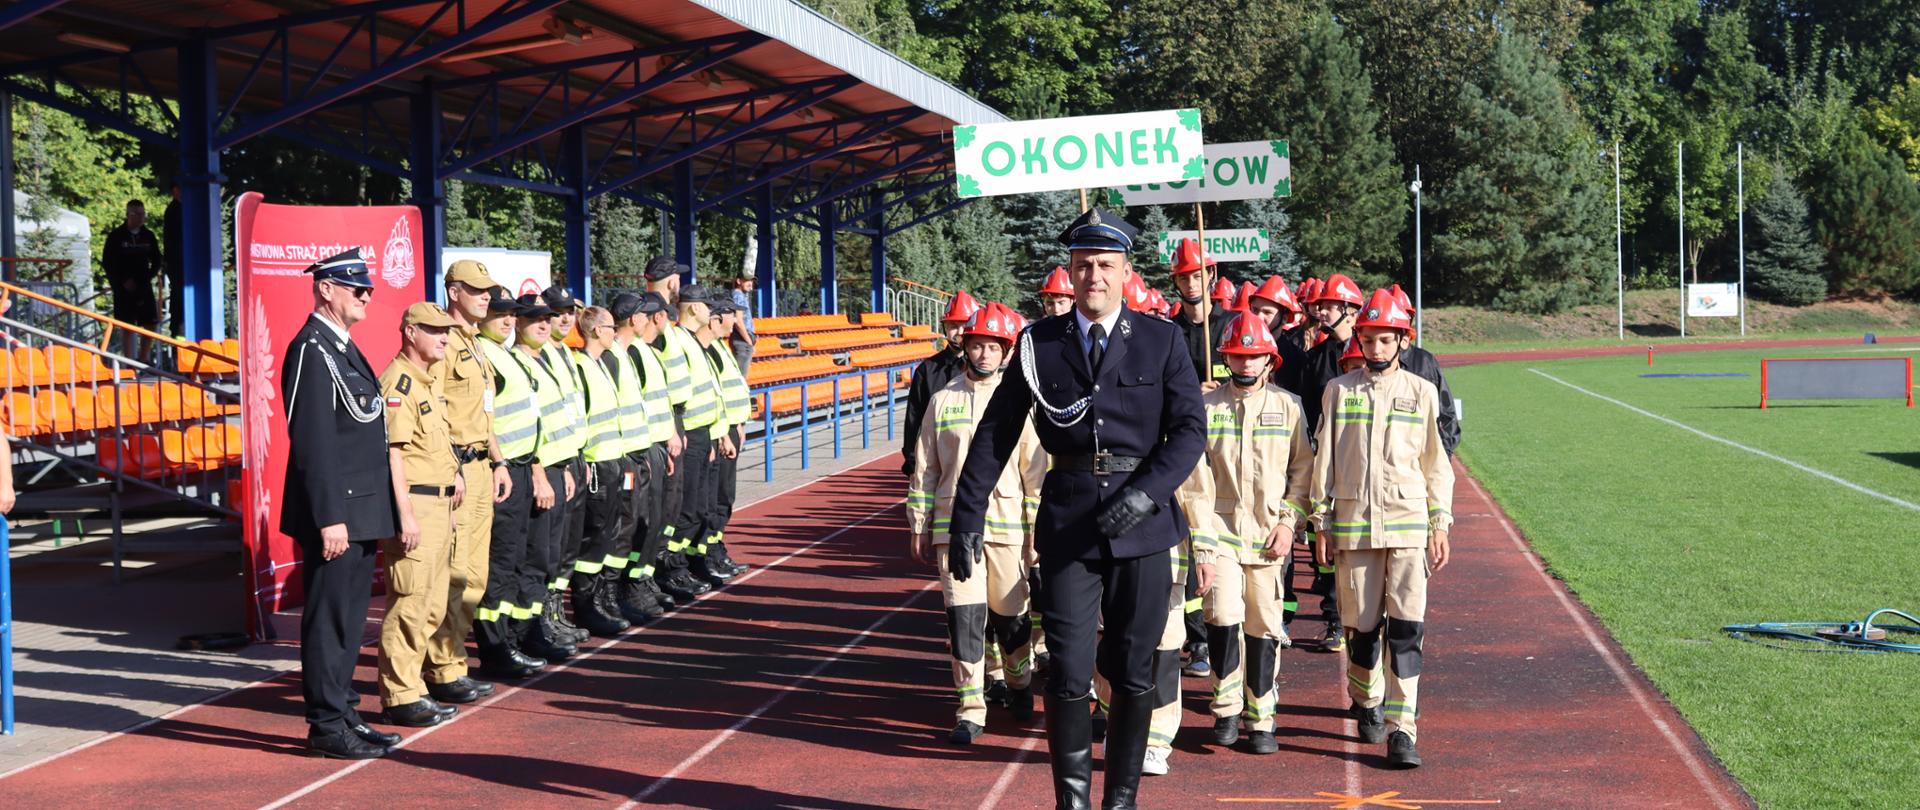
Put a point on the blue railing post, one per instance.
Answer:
(804, 439)
(6, 625)
(866, 410)
(836, 417)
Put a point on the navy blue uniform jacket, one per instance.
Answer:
(1146, 404)
(336, 465)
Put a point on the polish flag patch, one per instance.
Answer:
(393, 402)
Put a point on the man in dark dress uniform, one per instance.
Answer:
(1116, 404)
(337, 502)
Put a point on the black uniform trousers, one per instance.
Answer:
(544, 542)
(573, 519)
(1129, 596)
(657, 489)
(331, 628)
(696, 493)
(603, 515)
(506, 555)
(726, 472)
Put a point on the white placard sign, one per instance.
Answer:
(1250, 170)
(520, 271)
(1092, 151)
(1237, 245)
(1713, 300)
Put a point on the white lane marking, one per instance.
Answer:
(793, 686)
(544, 674)
(1699, 768)
(1906, 504)
(1006, 775)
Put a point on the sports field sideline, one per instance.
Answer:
(1673, 506)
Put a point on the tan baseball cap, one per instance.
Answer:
(427, 313)
(472, 274)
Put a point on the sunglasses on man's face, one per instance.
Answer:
(362, 293)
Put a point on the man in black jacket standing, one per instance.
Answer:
(1115, 402)
(1422, 363)
(935, 372)
(337, 501)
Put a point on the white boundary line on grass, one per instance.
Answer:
(1620, 673)
(286, 673)
(569, 663)
(1905, 504)
(791, 687)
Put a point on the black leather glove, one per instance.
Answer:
(963, 550)
(906, 468)
(1125, 512)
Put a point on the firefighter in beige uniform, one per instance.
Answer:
(427, 489)
(1383, 492)
(998, 595)
(1254, 479)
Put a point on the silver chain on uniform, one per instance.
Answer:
(1060, 417)
(346, 396)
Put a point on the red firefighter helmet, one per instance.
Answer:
(1401, 296)
(1057, 283)
(992, 321)
(1020, 322)
(1384, 311)
(1308, 292)
(1294, 320)
(1340, 288)
(1244, 300)
(961, 308)
(1223, 293)
(1352, 354)
(1247, 334)
(1134, 292)
(1187, 257)
(1156, 303)
(1275, 290)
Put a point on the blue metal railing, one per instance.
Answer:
(6, 626)
(770, 423)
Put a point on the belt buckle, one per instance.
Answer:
(1100, 463)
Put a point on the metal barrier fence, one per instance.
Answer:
(915, 307)
(773, 426)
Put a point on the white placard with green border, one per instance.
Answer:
(1235, 245)
(1092, 151)
(1251, 170)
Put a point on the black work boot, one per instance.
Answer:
(1226, 730)
(609, 592)
(965, 732)
(636, 601)
(556, 607)
(1400, 751)
(1373, 722)
(717, 552)
(1070, 745)
(1126, 747)
(588, 606)
(541, 639)
(704, 567)
(1020, 702)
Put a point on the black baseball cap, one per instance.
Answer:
(625, 305)
(532, 308)
(558, 298)
(498, 301)
(653, 302)
(662, 266)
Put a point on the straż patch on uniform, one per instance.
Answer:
(1273, 418)
(1406, 404)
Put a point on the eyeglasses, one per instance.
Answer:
(362, 293)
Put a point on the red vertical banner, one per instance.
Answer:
(273, 246)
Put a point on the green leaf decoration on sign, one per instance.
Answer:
(1283, 188)
(968, 187)
(1280, 149)
(1194, 168)
(1115, 199)
(962, 135)
(1262, 232)
(1190, 118)
(1265, 256)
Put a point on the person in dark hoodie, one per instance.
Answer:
(935, 372)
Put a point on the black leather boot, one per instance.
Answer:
(588, 596)
(636, 601)
(541, 639)
(556, 608)
(1126, 749)
(1070, 746)
(717, 554)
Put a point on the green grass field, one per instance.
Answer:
(1668, 536)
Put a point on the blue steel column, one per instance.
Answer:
(8, 243)
(829, 276)
(878, 258)
(573, 156)
(204, 290)
(429, 192)
(683, 223)
(766, 296)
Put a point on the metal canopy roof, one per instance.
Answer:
(743, 93)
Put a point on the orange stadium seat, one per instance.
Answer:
(891, 355)
(30, 367)
(827, 341)
(770, 346)
(885, 319)
(22, 419)
(918, 330)
(796, 324)
(212, 446)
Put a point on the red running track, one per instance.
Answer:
(819, 680)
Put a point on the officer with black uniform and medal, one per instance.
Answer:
(1116, 404)
(337, 501)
